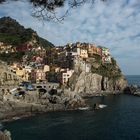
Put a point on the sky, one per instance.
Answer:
(114, 24)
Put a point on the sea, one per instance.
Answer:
(119, 120)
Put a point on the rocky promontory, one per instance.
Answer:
(90, 84)
(97, 74)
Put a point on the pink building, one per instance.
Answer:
(38, 75)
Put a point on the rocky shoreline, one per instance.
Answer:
(31, 105)
(133, 90)
(11, 110)
(15, 107)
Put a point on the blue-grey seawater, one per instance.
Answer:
(120, 120)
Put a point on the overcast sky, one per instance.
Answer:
(114, 24)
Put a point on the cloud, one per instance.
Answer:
(114, 24)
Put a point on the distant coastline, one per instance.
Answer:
(133, 79)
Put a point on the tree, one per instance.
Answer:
(46, 9)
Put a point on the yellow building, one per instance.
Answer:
(84, 53)
(20, 72)
(25, 75)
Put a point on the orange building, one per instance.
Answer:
(93, 49)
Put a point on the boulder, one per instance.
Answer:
(6, 135)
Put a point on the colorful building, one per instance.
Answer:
(106, 57)
(93, 49)
(105, 51)
(38, 75)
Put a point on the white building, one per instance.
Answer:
(46, 68)
(28, 69)
(66, 75)
(80, 64)
(57, 69)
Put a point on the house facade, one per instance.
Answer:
(38, 75)
(46, 68)
(106, 57)
(66, 75)
(93, 49)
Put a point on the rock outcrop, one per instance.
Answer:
(6, 135)
(87, 84)
(132, 90)
(15, 107)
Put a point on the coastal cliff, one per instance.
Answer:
(94, 84)
(93, 77)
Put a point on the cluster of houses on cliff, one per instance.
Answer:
(6, 48)
(78, 54)
(86, 50)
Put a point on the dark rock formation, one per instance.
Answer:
(132, 90)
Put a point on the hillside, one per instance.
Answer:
(15, 35)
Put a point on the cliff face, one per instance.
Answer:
(94, 84)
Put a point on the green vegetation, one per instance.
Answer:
(45, 43)
(15, 39)
(108, 70)
(11, 57)
(11, 32)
